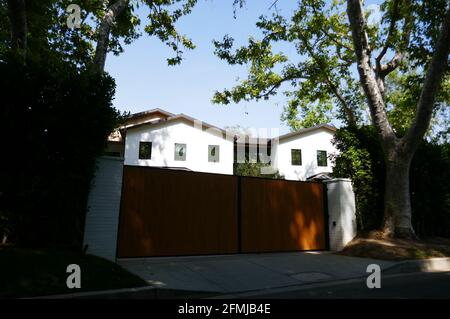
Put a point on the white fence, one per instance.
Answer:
(102, 217)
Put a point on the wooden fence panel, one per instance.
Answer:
(170, 212)
(282, 215)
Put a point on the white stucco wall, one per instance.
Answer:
(163, 138)
(309, 143)
(102, 216)
(341, 213)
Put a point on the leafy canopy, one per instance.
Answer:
(324, 83)
(47, 26)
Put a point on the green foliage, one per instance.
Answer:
(401, 98)
(430, 189)
(319, 80)
(319, 33)
(361, 159)
(254, 169)
(55, 121)
(48, 29)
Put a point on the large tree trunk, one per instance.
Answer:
(398, 151)
(397, 202)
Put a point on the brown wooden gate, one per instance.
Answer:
(172, 213)
(280, 215)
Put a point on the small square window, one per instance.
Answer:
(296, 157)
(322, 158)
(180, 152)
(145, 150)
(213, 153)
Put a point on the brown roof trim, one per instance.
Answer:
(306, 130)
(175, 118)
(155, 110)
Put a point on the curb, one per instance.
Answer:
(420, 265)
(147, 292)
(97, 293)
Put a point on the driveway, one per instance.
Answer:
(247, 272)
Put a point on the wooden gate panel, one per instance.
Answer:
(173, 213)
(282, 215)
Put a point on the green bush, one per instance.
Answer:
(254, 170)
(55, 120)
(361, 159)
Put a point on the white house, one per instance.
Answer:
(161, 139)
(305, 153)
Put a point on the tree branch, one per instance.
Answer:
(384, 69)
(334, 89)
(438, 67)
(278, 83)
(394, 19)
(367, 77)
(104, 31)
(347, 109)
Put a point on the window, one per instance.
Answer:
(296, 157)
(213, 153)
(180, 152)
(145, 150)
(322, 158)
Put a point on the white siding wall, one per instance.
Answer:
(164, 137)
(309, 143)
(341, 213)
(102, 217)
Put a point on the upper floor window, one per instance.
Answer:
(322, 158)
(145, 150)
(296, 157)
(213, 153)
(180, 152)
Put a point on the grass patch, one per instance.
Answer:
(372, 246)
(28, 273)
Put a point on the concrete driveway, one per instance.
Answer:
(247, 272)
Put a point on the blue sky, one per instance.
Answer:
(145, 81)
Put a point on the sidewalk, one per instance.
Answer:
(248, 272)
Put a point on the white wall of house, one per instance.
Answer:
(164, 136)
(309, 143)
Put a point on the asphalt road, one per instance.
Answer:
(417, 285)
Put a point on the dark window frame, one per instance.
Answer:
(320, 158)
(295, 150)
(178, 157)
(141, 154)
(214, 156)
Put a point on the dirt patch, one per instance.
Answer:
(372, 245)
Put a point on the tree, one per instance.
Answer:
(111, 23)
(333, 41)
